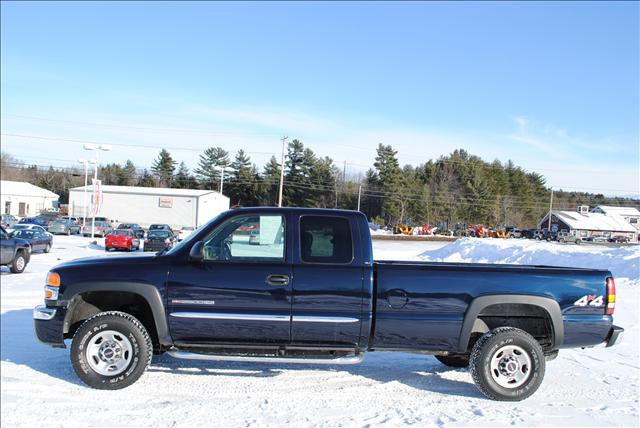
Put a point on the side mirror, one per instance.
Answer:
(196, 254)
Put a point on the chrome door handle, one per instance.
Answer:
(278, 280)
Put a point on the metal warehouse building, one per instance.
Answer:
(148, 205)
(584, 224)
(24, 199)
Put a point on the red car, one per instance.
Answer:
(121, 239)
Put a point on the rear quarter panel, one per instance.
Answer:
(423, 305)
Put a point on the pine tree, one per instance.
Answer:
(163, 168)
(146, 180)
(208, 170)
(245, 185)
(183, 179)
(390, 178)
(271, 180)
(128, 176)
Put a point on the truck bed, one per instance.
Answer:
(423, 304)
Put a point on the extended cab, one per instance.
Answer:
(310, 291)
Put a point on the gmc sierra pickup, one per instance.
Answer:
(308, 290)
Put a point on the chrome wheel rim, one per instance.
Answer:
(511, 366)
(20, 263)
(109, 353)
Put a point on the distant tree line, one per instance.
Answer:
(457, 188)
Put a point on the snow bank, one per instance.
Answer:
(623, 262)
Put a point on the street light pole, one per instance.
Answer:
(284, 139)
(222, 170)
(84, 198)
(96, 148)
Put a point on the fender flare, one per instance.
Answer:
(479, 303)
(147, 291)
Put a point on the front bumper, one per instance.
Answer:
(48, 324)
(615, 336)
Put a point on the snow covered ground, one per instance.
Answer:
(591, 387)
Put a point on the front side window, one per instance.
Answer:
(247, 238)
(325, 240)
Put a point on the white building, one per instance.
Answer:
(24, 199)
(148, 205)
(630, 214)
(584, 224)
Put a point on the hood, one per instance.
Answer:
(123, 260)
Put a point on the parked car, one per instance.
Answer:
(138, 231)
(40, 221)
(8, 220)
(37, 238)
(64, 227)
(76, 220)
(101, 228)
(319, 301)
(514, 232)
(184, 232)
(619, 239)
(254, 237)
(565, 236)
(14, 252)
(158, 239)
(597, 239)
(16, 227)
(160, 227)
(124, 239)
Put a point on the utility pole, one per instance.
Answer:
(359, 193)
(283, 139)
(550, 210)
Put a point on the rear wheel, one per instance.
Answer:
(68, 232)
(111, 350)
(507, 364)
(19, 263)
(454, 360)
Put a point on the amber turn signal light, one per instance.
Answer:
(53, 279)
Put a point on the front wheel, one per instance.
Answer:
(454, 360)
(507, 364)
(47, 248)
(111, 350)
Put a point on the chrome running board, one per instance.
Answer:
(185, 355)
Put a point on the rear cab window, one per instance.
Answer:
(325, 239)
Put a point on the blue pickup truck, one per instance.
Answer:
(301, 285)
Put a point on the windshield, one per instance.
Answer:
(121, 232)
(157, 226)
(125, 226)
(158, 234)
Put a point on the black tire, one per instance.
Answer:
(454, 360)
(494, 345)
(19, 263)
(47, 248)
(127, 328)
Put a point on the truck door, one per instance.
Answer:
(6, 247)
(328, 290)
(241, 292)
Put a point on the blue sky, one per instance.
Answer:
(553, 86)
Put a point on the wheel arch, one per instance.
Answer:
(472, 323)
(147, 292)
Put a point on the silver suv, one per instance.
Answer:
(564, 236)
